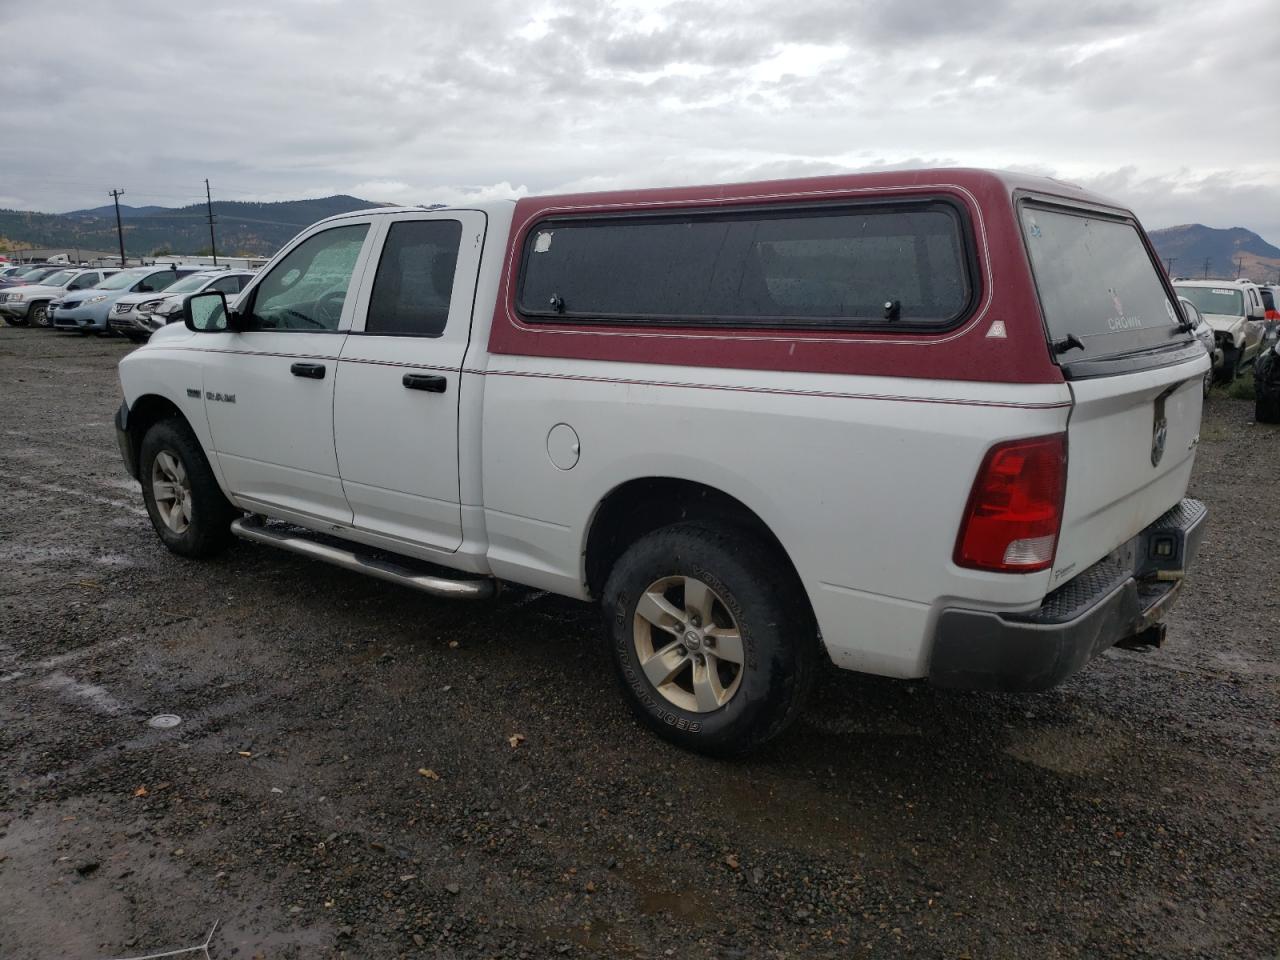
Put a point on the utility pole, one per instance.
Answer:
(1239, 266)
(116, 195)
(1207, 261)
(208, 202)
(1168, 264)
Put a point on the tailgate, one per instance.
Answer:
(1131, 443)
(1134, 369)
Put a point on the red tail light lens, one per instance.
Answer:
(1015, 510)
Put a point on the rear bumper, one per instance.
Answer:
(1112, 601)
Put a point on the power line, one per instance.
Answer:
(208, 201)
(115, 196)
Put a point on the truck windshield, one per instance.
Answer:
(1097, 284)
(1223, 301)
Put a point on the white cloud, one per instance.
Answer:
(398, 101)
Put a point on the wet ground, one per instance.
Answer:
(343, 780)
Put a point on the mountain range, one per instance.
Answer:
(244, 229)
(1197, 251)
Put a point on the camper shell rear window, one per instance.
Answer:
(903, 266)
(1101, 293)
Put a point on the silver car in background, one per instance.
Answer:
(138, 315)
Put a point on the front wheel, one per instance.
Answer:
(38, 315)
(186, 505)
(1230, 365)
(713, 641)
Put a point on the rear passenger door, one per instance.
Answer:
(396, 401)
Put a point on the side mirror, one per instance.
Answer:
(206, 312)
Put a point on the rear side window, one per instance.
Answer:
(414, 282)
(1098, 284)
(901, 266)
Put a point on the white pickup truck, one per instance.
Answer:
(924, 424)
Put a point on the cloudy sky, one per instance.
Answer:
(1171, 106)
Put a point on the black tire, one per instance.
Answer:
(1230, 366)
(1208, 384)
(1266, 388)
(209, 529)
(14, 321)
(778, 635)
(38, 314)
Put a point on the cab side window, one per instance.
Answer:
(305, 291)
(414, 282)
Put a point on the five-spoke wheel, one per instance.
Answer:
(172, 491)
(688, 644)
(714, 643)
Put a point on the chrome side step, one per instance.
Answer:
(255, 530)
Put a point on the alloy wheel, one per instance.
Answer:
(688, 644)
(171, 490)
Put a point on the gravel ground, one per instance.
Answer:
(1131, 812)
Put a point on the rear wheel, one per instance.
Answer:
(715, 651)
(186, 506)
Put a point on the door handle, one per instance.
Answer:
(425, 381)
(312, 371)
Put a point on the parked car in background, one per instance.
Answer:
(29, 274)
(135, 316)
(1204, 333)
(1266, 384)
(29, 303)
(87, 310)
(1234, 310)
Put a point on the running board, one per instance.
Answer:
(255, 530)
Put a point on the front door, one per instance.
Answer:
(396, 404)
(269, 388)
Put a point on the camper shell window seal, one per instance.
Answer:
(971, 275)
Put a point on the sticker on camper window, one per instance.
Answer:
(1033, 228)
(1226, 293)
(542, 242)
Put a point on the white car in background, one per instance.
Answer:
(29, 304)
(1204, 333)
(138, 315)
(1234, 309)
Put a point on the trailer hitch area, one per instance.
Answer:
(1152, 636)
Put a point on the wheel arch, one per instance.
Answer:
(641, 505)
(146, 411)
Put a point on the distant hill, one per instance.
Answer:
(126, 212)
(257, 229)
(1193, 243)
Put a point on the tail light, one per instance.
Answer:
(1014, 514)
